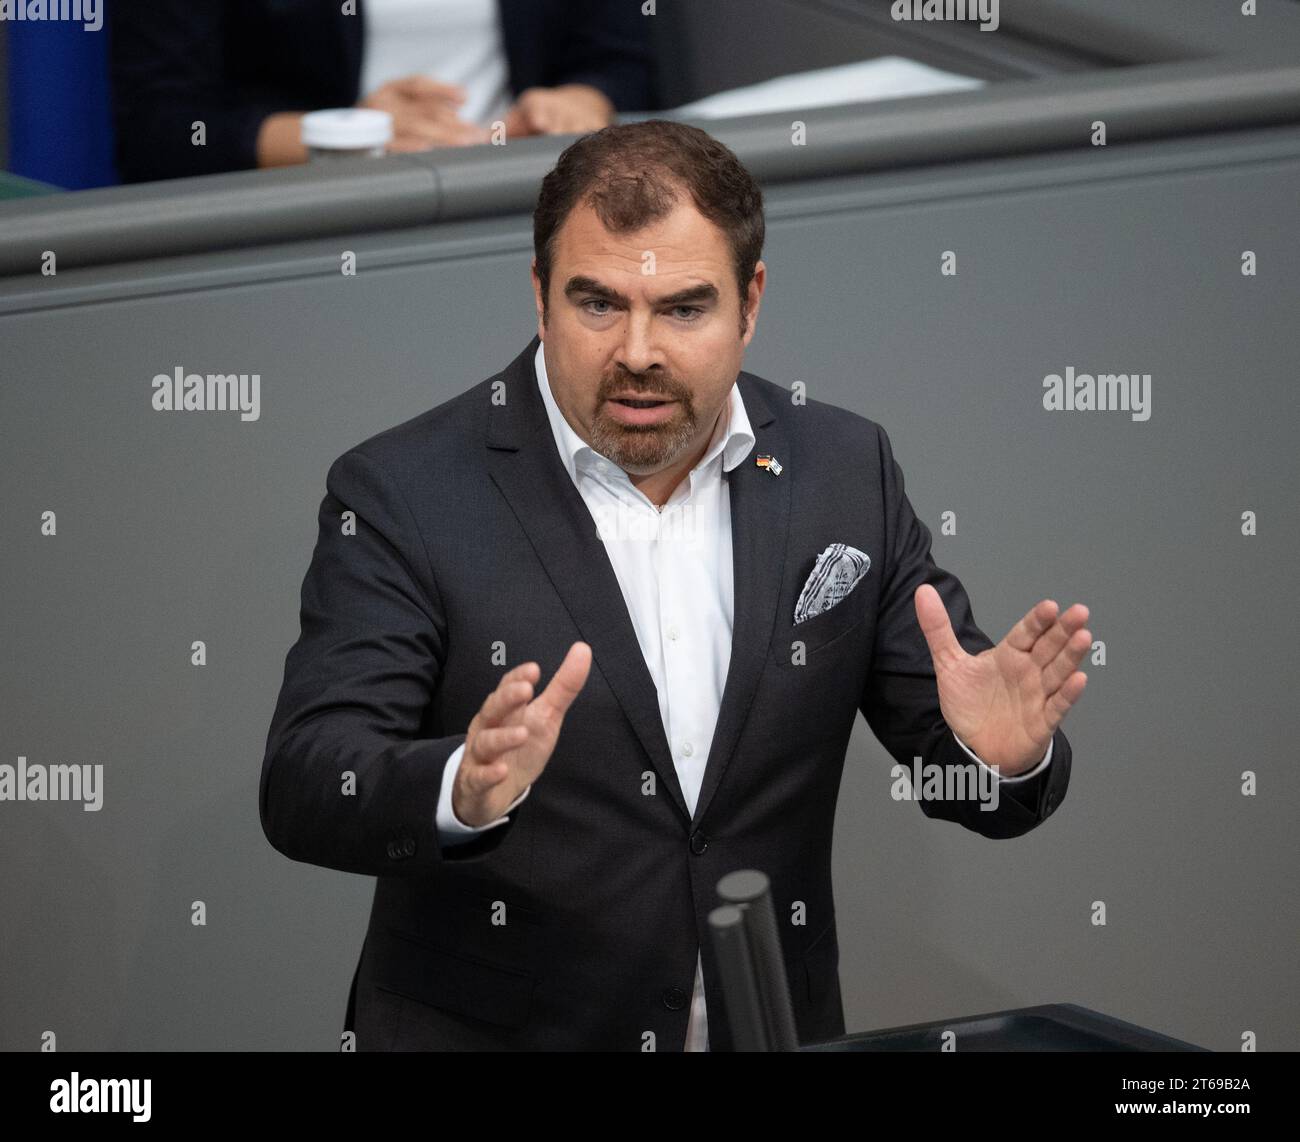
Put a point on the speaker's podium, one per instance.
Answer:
(757, 999)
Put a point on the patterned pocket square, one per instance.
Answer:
(839, 569)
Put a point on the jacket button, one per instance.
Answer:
(674, 998)
(392, 851)
(699, 842)
(408, 847)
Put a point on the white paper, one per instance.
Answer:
(889, 77)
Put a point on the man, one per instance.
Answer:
(546, 861)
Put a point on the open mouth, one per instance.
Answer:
(642, 413)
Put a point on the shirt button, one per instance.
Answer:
(674, 998)
(602, 466)
(673, 632)
(688, 750)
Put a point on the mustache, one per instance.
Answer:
(642, 390)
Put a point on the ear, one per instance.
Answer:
(754, 298)
(538, 301)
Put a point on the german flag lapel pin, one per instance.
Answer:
(771, 463)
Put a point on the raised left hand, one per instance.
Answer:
(1006, 702)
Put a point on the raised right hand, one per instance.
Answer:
(511, 739)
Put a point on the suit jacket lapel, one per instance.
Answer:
(760, 525)
(525, 465)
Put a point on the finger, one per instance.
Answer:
(524, 672)
(435, 130)
(425, 87)
(1058, 705)
(935, 625)
(439, 113)
(1037, 619)
(1051, 641)
(517, 128)
(568, 681)
(489, 745)
(536, 110)
(505, 700)
(428, 125)
(1057, 672)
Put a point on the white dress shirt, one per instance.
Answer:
(676, 576)
(453, 41)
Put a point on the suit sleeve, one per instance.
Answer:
(451, 829)
(169, 71)
(349, 781)
(901, 698)
(1032, 772)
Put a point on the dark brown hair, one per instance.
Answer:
(631, 174)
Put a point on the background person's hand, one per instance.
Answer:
(511, 739)
(425, 114)
(570, 109)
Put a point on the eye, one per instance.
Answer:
(693, 310)
(595, 301)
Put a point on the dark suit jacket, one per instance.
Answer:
(231, 63)
(470, 532)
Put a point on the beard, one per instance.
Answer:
(643, 449)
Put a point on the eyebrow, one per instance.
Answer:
(705, 291)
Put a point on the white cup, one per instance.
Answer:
(346, 132)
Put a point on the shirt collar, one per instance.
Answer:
(732, 436)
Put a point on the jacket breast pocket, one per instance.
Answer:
(467, 986)
(811, 640)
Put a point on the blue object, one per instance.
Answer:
(60, 122)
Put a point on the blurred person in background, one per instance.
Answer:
(445, 69)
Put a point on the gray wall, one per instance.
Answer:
(178, 527)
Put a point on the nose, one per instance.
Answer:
(638, 352)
